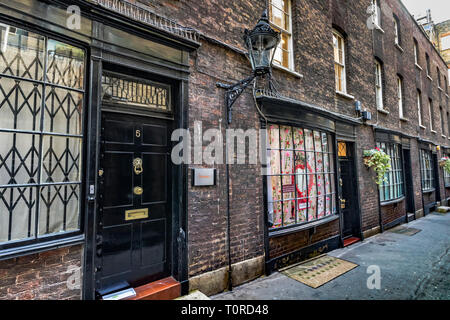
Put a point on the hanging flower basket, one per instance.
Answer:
(445, 163)
(380, 161)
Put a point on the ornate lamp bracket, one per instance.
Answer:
(233, 92)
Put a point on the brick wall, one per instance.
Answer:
(392, 212)
(292, 242)
(312, 24)
(43, 276)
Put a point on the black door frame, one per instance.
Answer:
(408, 181)
(179, 77)
(357, 205)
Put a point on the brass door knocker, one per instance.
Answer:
(137, 164)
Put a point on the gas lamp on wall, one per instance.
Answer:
(261, 43)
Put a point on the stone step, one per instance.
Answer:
(411, 217)
(164, 289)
(443, 209)
(194, 295)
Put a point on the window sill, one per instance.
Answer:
(433, 131)
(383, 111)
(398, 47)
(389, 202)
(440, 89)
(404, 119)
(302, 227)
(443, 136)
(345, 95)
(40, 247)
(378, 28)
(428, 76)
(428, 191)
(291, 72)
(422, 127)
(418, 67)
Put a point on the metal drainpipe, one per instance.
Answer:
(230, 271)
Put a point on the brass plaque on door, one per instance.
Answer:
(136, 214)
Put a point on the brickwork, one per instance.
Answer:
(50, 275)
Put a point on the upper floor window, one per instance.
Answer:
(376, 16)
(438, 77)
(339, 61)
(400, 97)
(397, 39)
(427, 59)
(416, 52)
(441, 113)
(419, 107)
(445, 42)
(378, 85)
(280, 18)
(430, 109)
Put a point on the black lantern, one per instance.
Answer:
(261, 43)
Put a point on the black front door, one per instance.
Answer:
(410, 206)
(349, 189)
(133, 239)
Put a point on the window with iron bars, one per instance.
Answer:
(42, 88)
(301, 177)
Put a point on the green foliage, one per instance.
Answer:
(380, 161)
(446, 164)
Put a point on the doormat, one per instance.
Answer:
(405, 231)
(319, 271)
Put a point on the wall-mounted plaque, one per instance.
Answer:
(203, 177)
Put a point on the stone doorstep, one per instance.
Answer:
(164, 289)
(194, 295)
(443, 209)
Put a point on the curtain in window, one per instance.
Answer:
(41, 112)
(301, 180)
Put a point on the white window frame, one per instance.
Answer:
(340, 37)
(376, 14)
(378, 86)
(416, 53)
(445, 42)
(285, 32)
(396, 33)
(400, 97)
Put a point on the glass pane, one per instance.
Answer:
(19, 158)
(289, 212)
(59, 209)
(63, 111)
(277, 210)
(286, 137)
(21, 53)
(274, 186)
(65, 65)
(20, 104)
(274, 164)
(312, 209)
(309, 140)
(61, 161)
(20, 224)
(287, 162)
(136, 92)
(274, 139)
(299, 143)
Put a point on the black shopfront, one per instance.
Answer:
(310, 180)
(87, 116)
